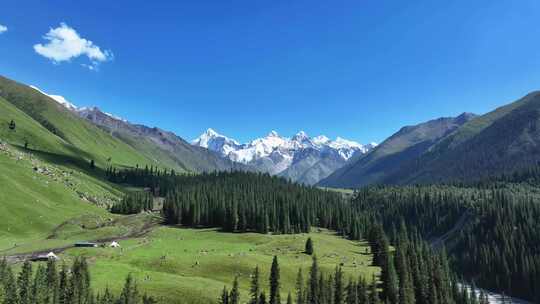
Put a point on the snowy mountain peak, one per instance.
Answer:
(273, 134)
(83, 111)
(214, 141)
(342, 142)
(274, 153)
(211, 132)
(60, 99)
(87, 111)
(300, 136)
(321, 139)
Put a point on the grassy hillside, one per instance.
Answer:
(76, 137)
(34, 203)
(51, 182)
(504, 140)
(404, 146)
(192, 265)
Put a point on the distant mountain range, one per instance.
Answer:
(299, 158)
(464, 148)
(385, 160)
(162, 147)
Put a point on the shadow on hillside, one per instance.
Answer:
(78, 163)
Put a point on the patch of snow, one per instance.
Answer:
(60, 99)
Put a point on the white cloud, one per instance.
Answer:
(3, 29)
(64, 44)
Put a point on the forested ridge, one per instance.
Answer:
(241, 201)
(496, 242)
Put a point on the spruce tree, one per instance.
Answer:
(10, 287)
(224, 299)
(338, 286)
(289, 298)
(24, 283)
(274, 283)
(52, 282)
(389, 280)
(309, 246)
(352, 293)
(374, 293)
(64, 295)
(262, 298)
(129, 293)
(234, 296)
(313, 292)
(255, 289)
(300, 293)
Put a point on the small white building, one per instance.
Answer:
(52, 256)
(114, 244)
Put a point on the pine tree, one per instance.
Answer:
(224, 299)
(289, 298)
(406, 289)
(262, 298)
(39, 293)
(52, 282)
(352, 293)
(64, 295)
(129, 293)
(313, 292)
(12, 125)
(309, 246)
(24, 283)
(274, 283)
(300, 293)
(338, 286)
(255, 289)
(374, 293)
(363, 296)
(234, 296)
(10, 287)
(389, 280)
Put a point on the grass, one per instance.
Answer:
(33, 204)
(50, 198)
(51, 128)
(192, 265)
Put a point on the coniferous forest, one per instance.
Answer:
(484, 224)
(59, 284)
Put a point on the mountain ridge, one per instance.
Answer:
(407, 144)
(282, 156)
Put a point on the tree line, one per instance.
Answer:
(496, 233)
(412, 273)
(244, 201)
(496, 236)
(133, 203)
(53, 284)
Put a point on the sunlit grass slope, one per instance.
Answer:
(192, 265)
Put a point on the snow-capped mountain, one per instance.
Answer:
(83, 111)
(285, 156)
(60, 99)
(211, 140)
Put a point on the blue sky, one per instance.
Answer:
(356, 69)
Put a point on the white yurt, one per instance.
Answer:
(52, 256)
